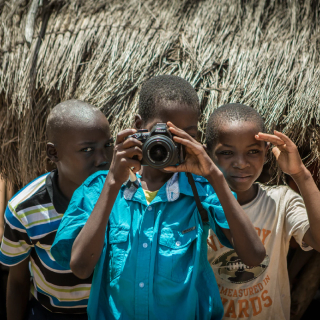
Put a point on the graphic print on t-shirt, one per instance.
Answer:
(230, 268)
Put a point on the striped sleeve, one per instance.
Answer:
(16, 244)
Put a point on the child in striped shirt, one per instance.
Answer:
(80, 144)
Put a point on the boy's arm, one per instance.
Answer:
(88, 245)
(18, 288)
(242, 234)
(14, 252)
(311, 197)
(290, 163)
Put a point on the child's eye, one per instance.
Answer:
(254, 151)
(226, 153)
(87, 149)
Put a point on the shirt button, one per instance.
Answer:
(141, 284)
(149, 208)
(145, 245)
(178, 243)
(198, 179)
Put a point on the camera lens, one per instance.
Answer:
(158, 153)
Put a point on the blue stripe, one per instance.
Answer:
(44, 228)
(13, 260)
(13, 220)
(59, 303)
(43, 255)
(36, 230)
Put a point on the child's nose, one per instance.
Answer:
(240, 163)
(102, 158)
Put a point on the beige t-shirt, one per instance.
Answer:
(261, 292)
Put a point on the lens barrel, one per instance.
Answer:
(159, 151)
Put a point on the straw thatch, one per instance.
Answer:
(262, 53)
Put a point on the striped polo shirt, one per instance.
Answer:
(32, 218)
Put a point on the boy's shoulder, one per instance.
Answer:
(29, 195)
(97, 178)
(205, 189)
(89, 191)
(277, 193)
(31, 210)
(200, 179)
(203, 186)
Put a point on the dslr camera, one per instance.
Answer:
(159, 150)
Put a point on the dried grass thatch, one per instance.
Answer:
(262, 53)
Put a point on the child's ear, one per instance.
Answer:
(138, 121)
(52, 153)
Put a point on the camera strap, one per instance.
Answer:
(202, 211)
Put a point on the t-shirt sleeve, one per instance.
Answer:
(76, 216)
(296, 222)
(15, 244)
(217, 218)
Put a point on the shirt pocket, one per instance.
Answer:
(118, 250)
(177, 251)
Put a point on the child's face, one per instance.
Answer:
(84, 149)
(239, 155)
(179, 114)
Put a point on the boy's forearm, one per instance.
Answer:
(18, 290)
(89, 243)
(17, 301)
(311, 197)
(245, 238)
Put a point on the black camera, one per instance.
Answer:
(158, 149)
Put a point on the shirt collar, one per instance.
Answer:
(177, 184)
(59, 201)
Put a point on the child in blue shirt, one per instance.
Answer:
(149, 258)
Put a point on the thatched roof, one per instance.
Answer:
(262, 53)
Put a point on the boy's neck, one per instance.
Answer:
(247, 196)
(153, 179)
(66, 186)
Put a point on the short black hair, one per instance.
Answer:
(228, 113)
(165, 88)
(66, 115)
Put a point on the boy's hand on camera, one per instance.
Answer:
(285, 151)
(123, 153)
(196, 159)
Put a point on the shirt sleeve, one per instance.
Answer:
(217, 218)
(76, 216)
(296, 220)
(16, 244)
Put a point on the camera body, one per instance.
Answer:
(159, 150)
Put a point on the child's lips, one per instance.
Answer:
(242, 177)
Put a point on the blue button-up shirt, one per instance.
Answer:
(154, 261)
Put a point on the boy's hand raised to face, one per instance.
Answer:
(124, 151)
(285, 151)
(196, 160)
